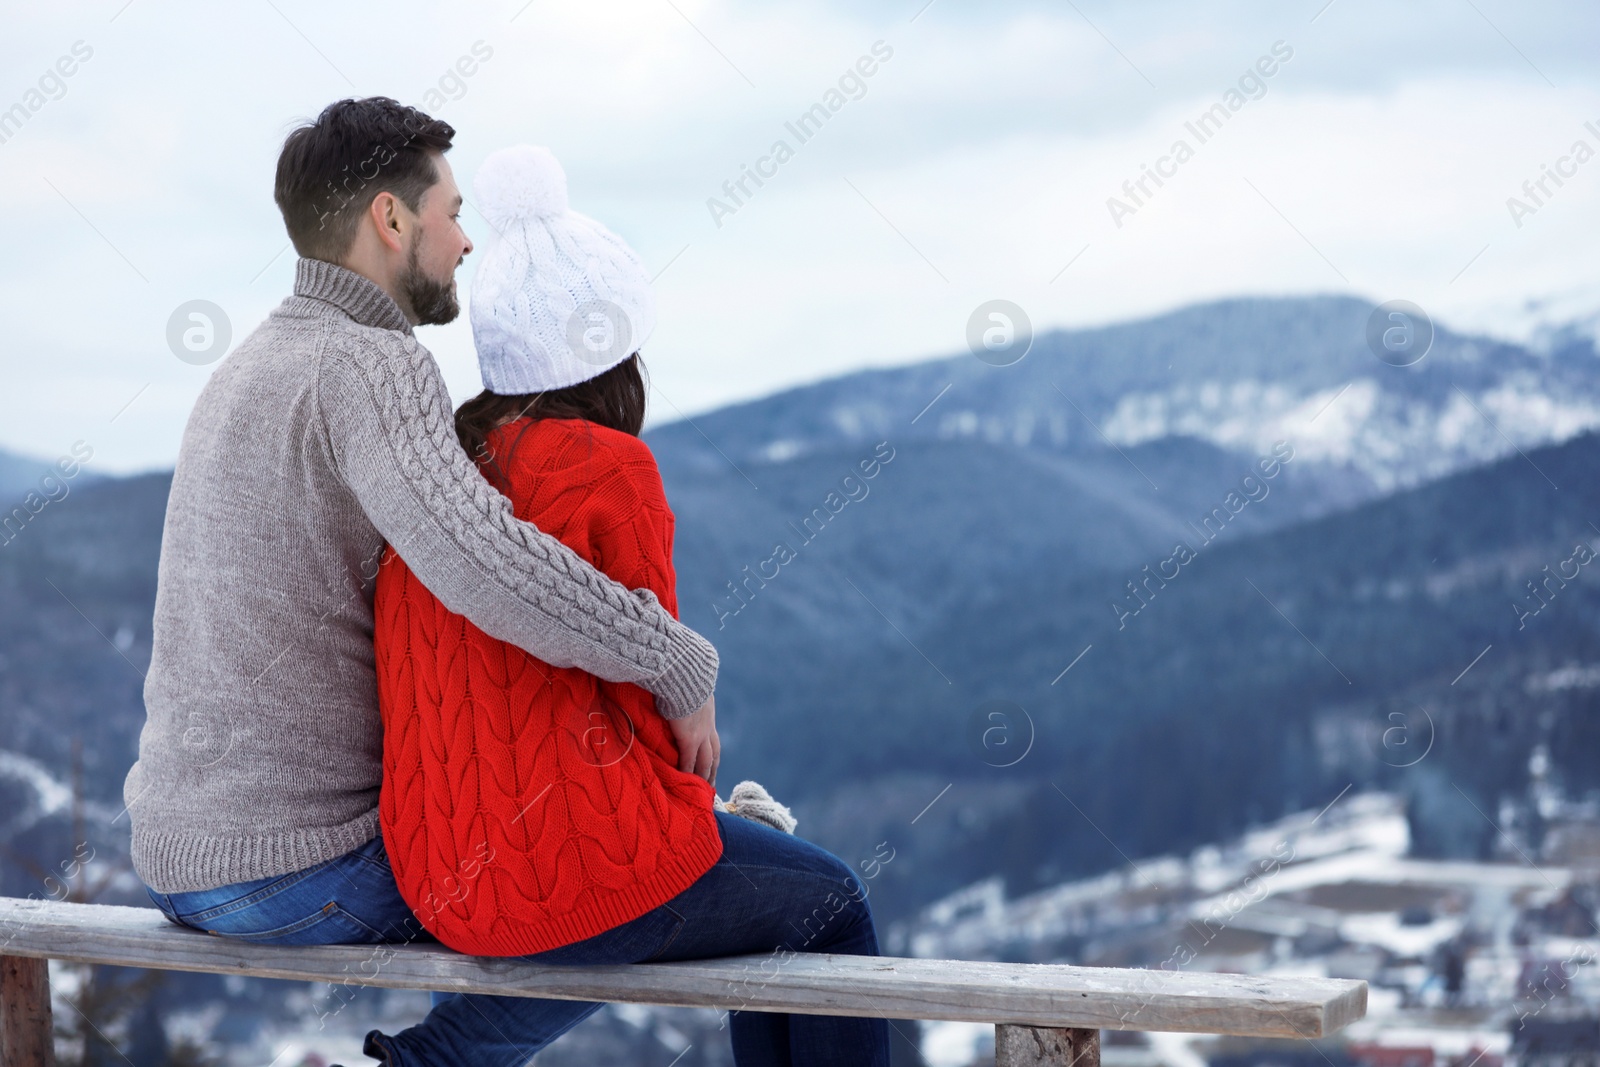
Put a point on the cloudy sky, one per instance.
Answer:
(975, 163)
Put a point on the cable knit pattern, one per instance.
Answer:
(325, 433)
(403, 384)
(525, 805)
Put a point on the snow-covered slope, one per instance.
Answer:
(1240, 374)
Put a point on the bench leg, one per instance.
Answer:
(1034, 1046)
(26, 1031)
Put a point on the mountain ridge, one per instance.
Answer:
(977, 567)
(1239, 373)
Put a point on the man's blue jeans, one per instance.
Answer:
(769, 893)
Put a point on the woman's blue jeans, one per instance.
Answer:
(769, 893)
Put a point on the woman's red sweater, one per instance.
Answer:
(526, 806)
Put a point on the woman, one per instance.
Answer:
(530, 809)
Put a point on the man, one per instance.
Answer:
(326, 434)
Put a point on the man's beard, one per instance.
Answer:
(433, 302)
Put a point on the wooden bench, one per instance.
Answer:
(1043, 1013)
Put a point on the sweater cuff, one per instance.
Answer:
(690, 676)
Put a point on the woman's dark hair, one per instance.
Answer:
(615, 400)
(330, 169)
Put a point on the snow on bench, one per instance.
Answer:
(1043, 1013)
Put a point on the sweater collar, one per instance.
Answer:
(355, 295)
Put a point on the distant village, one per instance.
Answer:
(1471, 964)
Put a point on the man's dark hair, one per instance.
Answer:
(330, 169)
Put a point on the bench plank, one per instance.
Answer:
(1040, 995)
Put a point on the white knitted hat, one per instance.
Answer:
(557, 298)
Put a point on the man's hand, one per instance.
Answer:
(699, 747)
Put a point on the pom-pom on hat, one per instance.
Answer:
(557, 299)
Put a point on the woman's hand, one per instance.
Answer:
(699, 747)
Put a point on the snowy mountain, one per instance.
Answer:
(1239, 374)
(1008, 512)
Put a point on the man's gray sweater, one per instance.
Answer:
(327, 433)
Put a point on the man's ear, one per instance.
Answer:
(385, 214)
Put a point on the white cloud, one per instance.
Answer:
(989, 142)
